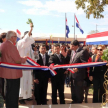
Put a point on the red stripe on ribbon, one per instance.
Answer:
(33, 61)
(70, 70)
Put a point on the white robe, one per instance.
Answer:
(25, 49)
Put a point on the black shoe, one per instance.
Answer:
(22, 101)
(29, 99)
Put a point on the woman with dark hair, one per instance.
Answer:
(2, 37)
(97, 76)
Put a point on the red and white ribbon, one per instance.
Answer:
(79, 65)
(52, 67)
(33, 65)
(71, 70)
(32, 62)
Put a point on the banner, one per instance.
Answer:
(97, 38)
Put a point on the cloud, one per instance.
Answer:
(101, 22)
(104, 21)
(1, 10)
(106, 8)
(37, 7)
(103, 29)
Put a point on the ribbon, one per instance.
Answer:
(71, 70)
(32, 62)
(79, 65)
(26, 67)
(52, 67)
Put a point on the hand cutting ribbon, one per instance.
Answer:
(52, 67)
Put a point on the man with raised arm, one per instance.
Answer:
(25, 49)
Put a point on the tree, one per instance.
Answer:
(95, 7)
(93, 31)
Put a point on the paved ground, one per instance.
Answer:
(67, 96)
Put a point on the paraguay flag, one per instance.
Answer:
(67, 29)
(18, 34)
(78, 25)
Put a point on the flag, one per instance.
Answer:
(18, 34)
(78, 25)
(67, 29)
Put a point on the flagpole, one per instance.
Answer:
(74, 26)
(65, 28)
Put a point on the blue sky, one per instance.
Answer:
(48, 16)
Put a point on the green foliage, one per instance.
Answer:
(105, 55)
(29, 21)
(95, 7)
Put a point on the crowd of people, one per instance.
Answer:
(16, 85)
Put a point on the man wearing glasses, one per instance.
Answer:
(97, 76)
(10, 54)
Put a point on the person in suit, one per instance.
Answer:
(77, 78)
(10, 54)
(41, 77)
(58, 81)
(97, 76)
(87, 82)
(64, 49)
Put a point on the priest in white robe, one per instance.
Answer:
(25, 49)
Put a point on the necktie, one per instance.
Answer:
(60, 57)
(73, 55)
(43, 59)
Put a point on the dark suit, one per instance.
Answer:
(40, 91)
(98, 79)
(58, 80)
(78, 77)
